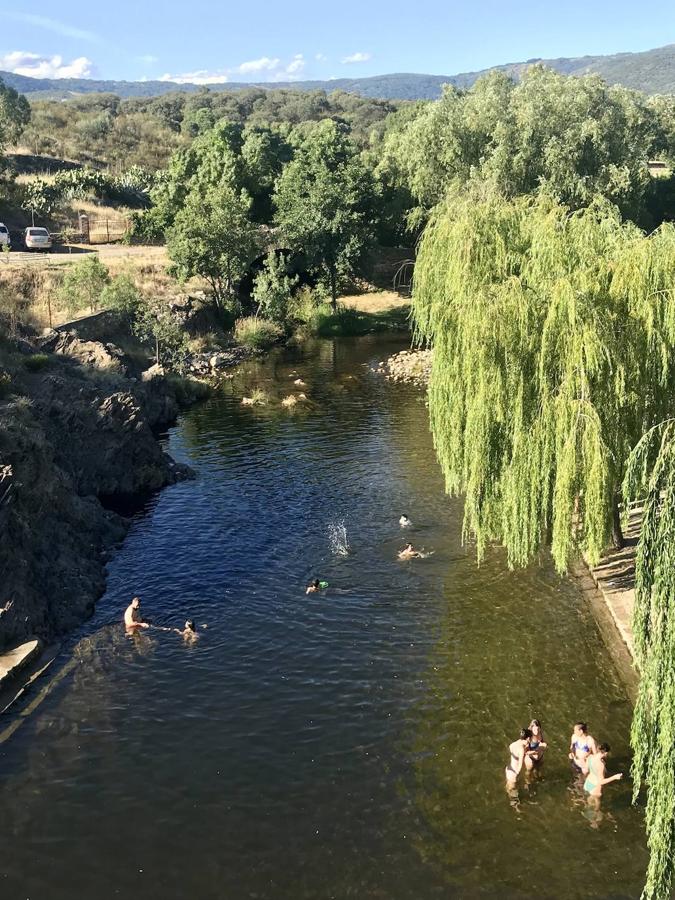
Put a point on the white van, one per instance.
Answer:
(37, 239)
(5, 240)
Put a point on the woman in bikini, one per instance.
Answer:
(582, 745)
(596, 778)
(537, 745)
(518, 751)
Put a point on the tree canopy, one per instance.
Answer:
(324, 202)
(570, 138)
(553, 335)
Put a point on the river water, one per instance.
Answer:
(347, 744)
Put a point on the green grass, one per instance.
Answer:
(257, 333)
(349, 322)
(37, 362)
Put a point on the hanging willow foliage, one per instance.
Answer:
(553, 339)
(650, 476)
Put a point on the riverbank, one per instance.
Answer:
(78, 433)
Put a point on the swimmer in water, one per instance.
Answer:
(409, 552)
(596, 778)
(404, 521)
(582, 745)
(132, 617)
(518, 750)
(315, 586)
(535, 750)
(189, 632)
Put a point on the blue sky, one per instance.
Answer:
(297, 39)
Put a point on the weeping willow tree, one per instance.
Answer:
(553, 337)
(650, 477)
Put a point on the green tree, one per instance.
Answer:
(570, 138)
(14, 114)
(213, 238)
(123, 297)
(553, 338)
(273, 287)
(153, 321)
(83, 283)
(650, 478)
(325, 203)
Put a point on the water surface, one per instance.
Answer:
(349, 744)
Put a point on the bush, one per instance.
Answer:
(258, 334)
(83, 283)
(36, 362)
(273, 288)
(121, 296)
(5, 383)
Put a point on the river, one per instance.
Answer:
(346, 744)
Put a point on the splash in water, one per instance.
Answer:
(337, 537)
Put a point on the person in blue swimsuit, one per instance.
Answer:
(537, 745)
(582, 745)
(597, 774)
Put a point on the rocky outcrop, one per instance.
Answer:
(70, 435)
(411, 366)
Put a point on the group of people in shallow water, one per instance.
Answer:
(586, 756)
(408, 552)
(133, 623)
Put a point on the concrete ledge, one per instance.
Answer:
(14, 660)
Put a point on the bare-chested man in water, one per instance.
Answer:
(132, 617)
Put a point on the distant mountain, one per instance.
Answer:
(652, 71)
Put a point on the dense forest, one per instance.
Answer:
(544, 280)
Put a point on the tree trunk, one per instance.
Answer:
(617, 533)
(157, 350)
(333, 288)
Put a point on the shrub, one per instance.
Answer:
(258, 334)
(273, 288)
(36, 362)
(83, 283)
(5, 383)
(121, 296)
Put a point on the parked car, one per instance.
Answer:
(37, 239)
(5, 240)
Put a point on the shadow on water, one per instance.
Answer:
(344, 744)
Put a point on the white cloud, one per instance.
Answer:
(267, 68)
(148, 59)
(54, 26)
(295, 67)
(202, 76)
(35, 66)
(320, 57)
(264, 64)
(357, 58)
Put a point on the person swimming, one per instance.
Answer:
(404, 521)
(409, 552)
(582, 745)
(189, 632)
(596, 777)
(536, 746)
(132, 617)
(315, 586)
(518, 750)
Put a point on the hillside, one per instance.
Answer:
(652, 71)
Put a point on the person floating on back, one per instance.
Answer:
(596, 778)
(315, 586)
(132, 617)
(518, 750)
(404, 521)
